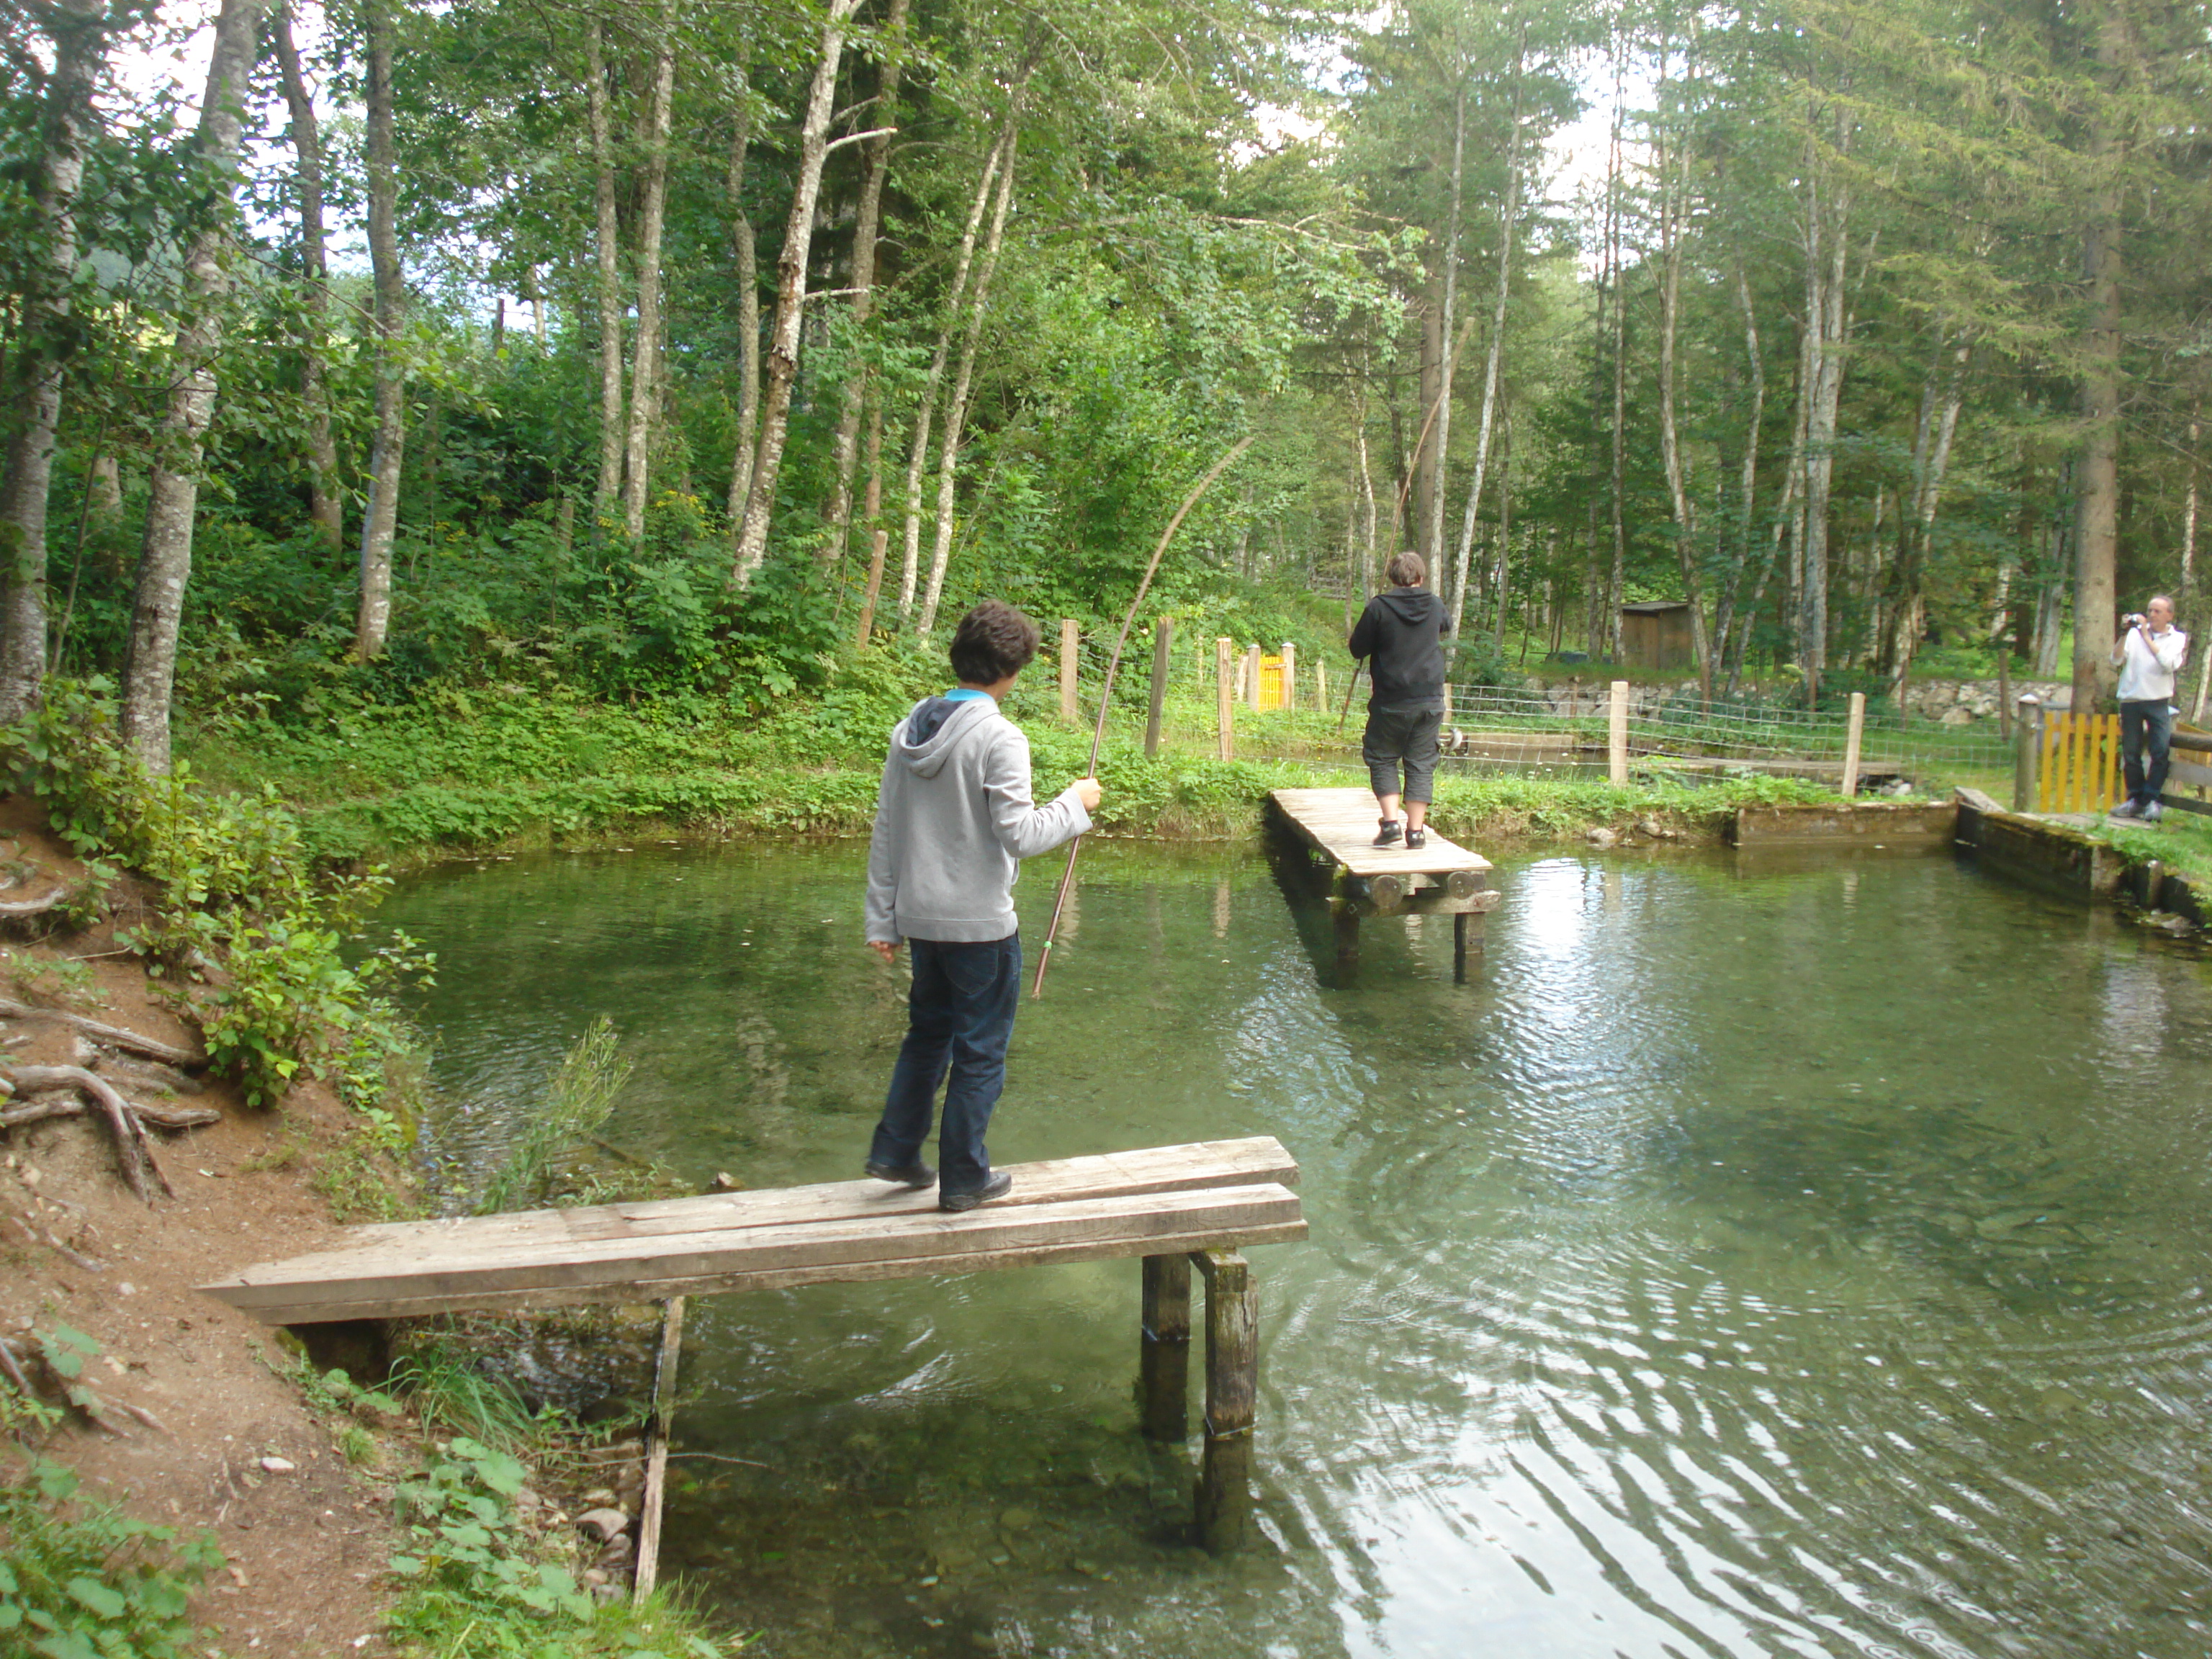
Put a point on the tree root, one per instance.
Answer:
(134, 1150)
(16, 908)
(114, 1036)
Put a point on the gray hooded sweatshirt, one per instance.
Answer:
(953, 823)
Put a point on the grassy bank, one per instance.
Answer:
(514, 765)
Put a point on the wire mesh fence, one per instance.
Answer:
(1279, 705)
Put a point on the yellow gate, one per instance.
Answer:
(2078, 769)
(1271, 684)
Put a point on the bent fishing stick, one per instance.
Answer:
(1106, 692)
(1398, 510)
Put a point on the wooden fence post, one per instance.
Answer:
(1616, 744)
(1232, 1377)
(1289, 677)
(1163, 1355)
(1252, 675)
(1225, 697)
(1071, 642)
(1321, 686)
(1162, 638)
(2028, 751)
(1853, 734)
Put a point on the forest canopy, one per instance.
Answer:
(688, 347)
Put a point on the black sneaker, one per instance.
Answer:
(916, 1174)
(997, 1184)
(1416, 839)
(2130, 808)
(1388, 835)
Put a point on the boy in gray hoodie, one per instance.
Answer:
(953, 823)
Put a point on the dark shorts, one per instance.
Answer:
(1409, 738)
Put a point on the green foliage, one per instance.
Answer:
(81, 1581)
(249, 931)
(355, 1177)
(579, 1097)
(448, 1390)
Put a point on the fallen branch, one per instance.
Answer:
(133, 1149)
(98, 1030)
(37, 907)
(141, 1414)
(13, 1369)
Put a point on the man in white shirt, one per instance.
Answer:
(2149, 655)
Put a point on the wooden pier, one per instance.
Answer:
(1177, 1206)
(1337, 827)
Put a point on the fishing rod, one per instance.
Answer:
(1106, 692)
(1398, 510)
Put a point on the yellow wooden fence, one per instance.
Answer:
(2078, 769)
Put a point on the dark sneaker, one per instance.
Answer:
(1390, 833)
(2152, 811)
(1416, 839)
(916, 1174)
(2130, 808)
(997, 1184)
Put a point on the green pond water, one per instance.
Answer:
(1748, 1260)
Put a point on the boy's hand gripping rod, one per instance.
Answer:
(1106, 692)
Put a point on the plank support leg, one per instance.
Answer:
(1163, 1352)
(1232, 1377)
(656, 1463)
(1347, 930)
(1459, 948)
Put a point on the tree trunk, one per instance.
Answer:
(381, 522)
(743, 246)
(1748, 479)
(165, 553)
(645, 359)
(875, 168)
(955, 404)
(608, 249)
(1432, 533)
(1826, 251)
(791, 296)
(1674, 190)
(325, 507)
(2097, 477)
(925, 405)
(1363, 584)
(40, 356)
(1508, 220)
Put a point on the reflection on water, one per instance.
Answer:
(1747, 1262)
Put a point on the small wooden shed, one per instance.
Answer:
(1655, 633)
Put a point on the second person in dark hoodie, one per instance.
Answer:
(1401, 632)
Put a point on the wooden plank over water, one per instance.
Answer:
(1069, 1210)
(1341, 823)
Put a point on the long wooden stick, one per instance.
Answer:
(1405, 488)
(1106, 692)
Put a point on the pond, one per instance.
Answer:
(1748, 1260)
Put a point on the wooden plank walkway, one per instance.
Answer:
(1212, 1194)
(1442, 879)
(1179, 1207)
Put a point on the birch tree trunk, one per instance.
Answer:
(381, 522)
(607, 250)
(1433, 530)
(1827, 252)
(791, 296)
(1508, 220)
(1747, 480)
(39, 352)
(325, 507)
(1674, 188)
(165, 553)
(2097, 477)
(644, 357)
(867, 225)
(746, 248)
(926, 406)
(956, 406)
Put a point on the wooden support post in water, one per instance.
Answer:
(1289, 677)
(1347, 920)
(1163, 1354)
(1616, 741)
(1252, 675)
(656, 1462)
(1459, 948)
(1224, 696)
(1071, 642)
(1163, 642)
(2028, 735)
(1853, 734)
(1232, 1387)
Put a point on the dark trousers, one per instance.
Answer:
(2147, 725)
(1410, 737)
(960, 1015)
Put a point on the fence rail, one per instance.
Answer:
(1211, 695)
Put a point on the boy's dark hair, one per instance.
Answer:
(1406, 570)
(993, 640)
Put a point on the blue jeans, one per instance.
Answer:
(960, 1013)
(2146, 725)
